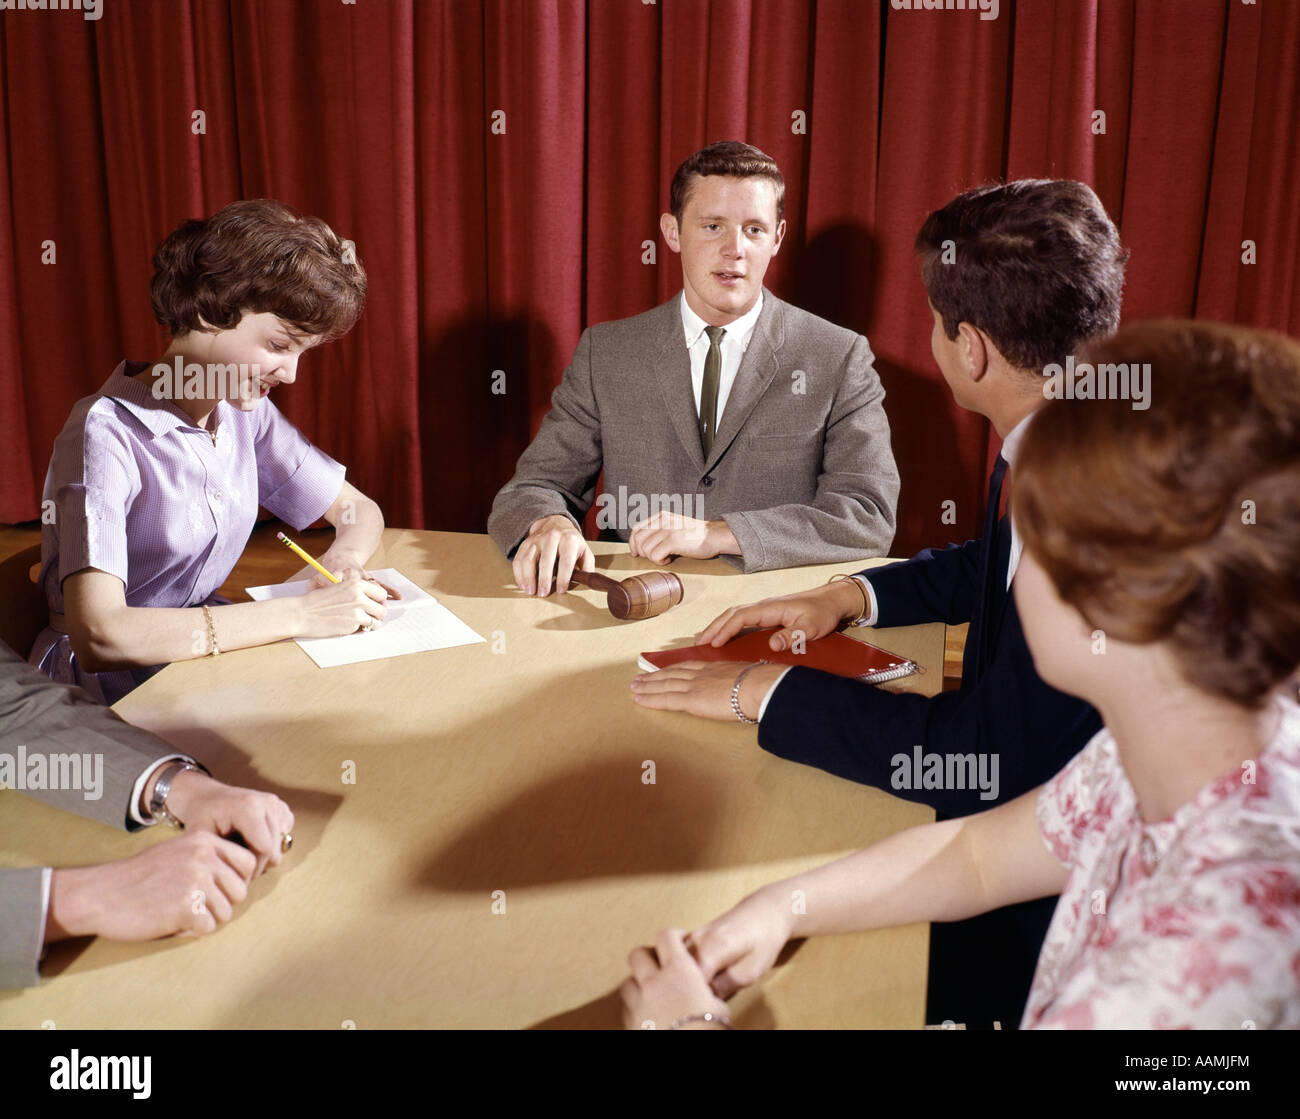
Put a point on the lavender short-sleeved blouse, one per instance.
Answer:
(140, 492)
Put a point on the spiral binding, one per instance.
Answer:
(891, 673)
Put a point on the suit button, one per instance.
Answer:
(707, 480)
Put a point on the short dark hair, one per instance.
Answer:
(256, 256)
(1035, 264)
(731, 158)
(1180, 522)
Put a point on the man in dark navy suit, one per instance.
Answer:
(1018, 276)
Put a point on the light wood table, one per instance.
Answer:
(515, 766)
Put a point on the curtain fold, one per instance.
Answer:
(501, 164)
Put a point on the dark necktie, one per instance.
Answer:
(995, 500)
(709, 390)
(993, 574)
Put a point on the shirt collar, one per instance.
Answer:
(159, 416)
(1012, 442)
(742, 329)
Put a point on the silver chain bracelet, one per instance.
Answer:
(707, 1016)
(735, 695)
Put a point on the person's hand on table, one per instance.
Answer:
(667, 986)
(664, 535)
(340, 608)
(704, 688)
(187, 885)
(741, 946)
(550, 540)
(204, 804)
(814, 613)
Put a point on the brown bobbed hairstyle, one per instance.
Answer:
(1180, 523)
(1035, 264)
(257, 256)
(731, 158)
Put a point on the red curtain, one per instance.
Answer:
(501, 165)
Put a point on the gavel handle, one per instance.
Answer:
(595, 580)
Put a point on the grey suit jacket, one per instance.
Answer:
(38, 717)
(801, 469)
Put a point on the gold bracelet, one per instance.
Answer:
(213, 647)
(861, 619)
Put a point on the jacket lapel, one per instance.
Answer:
(757, 370)
(672, 368)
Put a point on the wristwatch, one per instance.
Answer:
(162, 786)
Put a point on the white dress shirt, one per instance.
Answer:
(733, 346)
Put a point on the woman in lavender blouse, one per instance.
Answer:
(155, 479)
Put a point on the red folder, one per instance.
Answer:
(834, 653)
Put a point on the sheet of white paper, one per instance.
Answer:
(412, 631)
(389, 576)
(416, 623)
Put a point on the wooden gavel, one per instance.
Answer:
(636, 597)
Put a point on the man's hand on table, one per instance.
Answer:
(550, 540)
(704, 688)
(187, 885)
(663, 535)
(204, 804)
(813, 613)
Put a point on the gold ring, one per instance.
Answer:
(286, 841)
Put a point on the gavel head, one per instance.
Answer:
(644, 596)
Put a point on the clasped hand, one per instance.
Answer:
(663, 535)
(685, 976)
(188, 885)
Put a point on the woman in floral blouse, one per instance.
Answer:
(1158, 583)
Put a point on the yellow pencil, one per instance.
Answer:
(280, 536)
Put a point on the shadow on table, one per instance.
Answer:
(649, 794)
(592, 821)
(65, 953)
